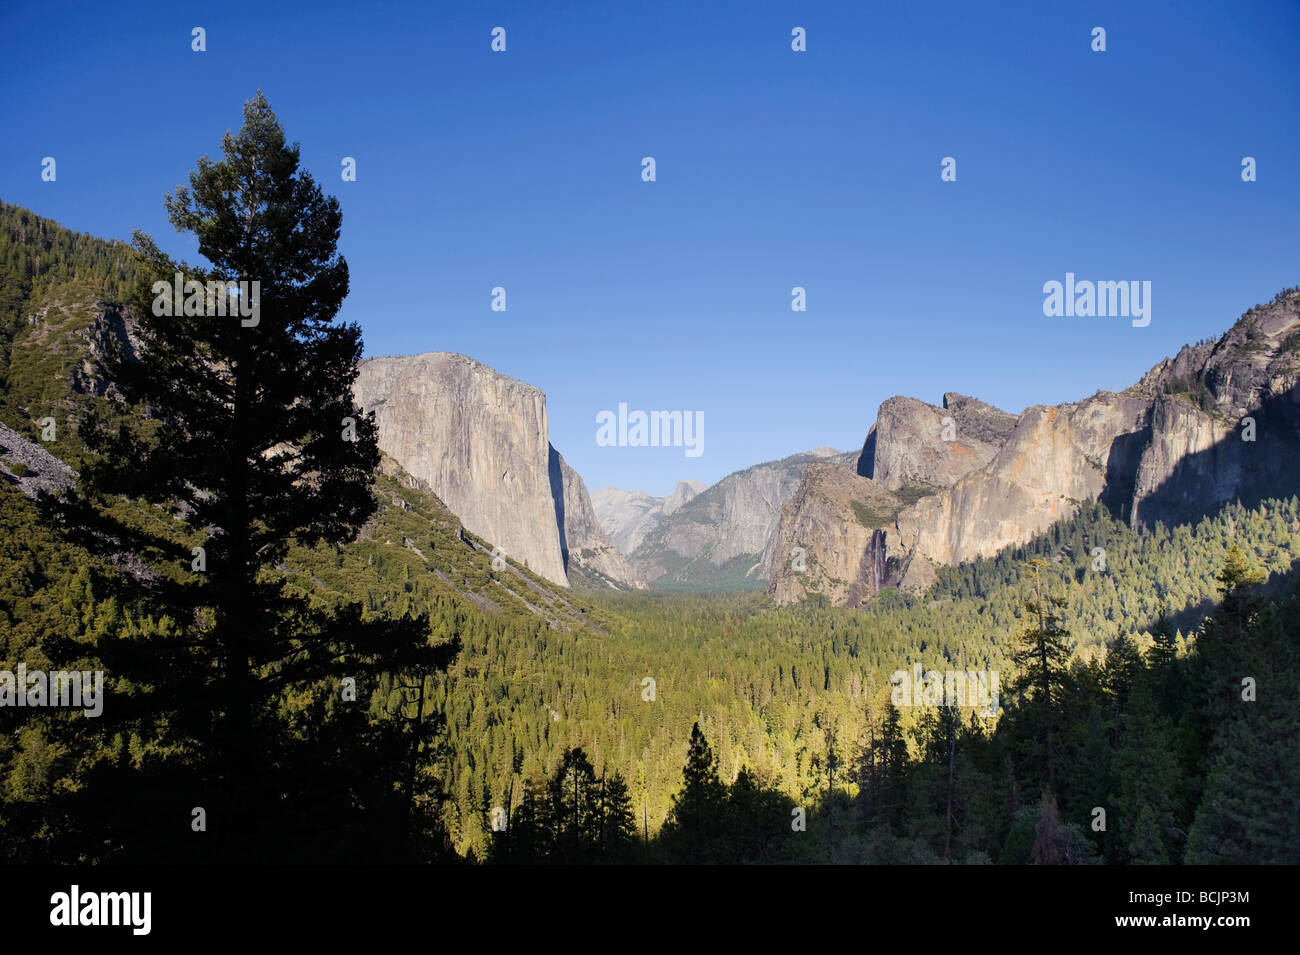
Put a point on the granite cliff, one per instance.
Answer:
(1219, 421)
(479, 440)
(832, 539)
(583, 543)
(828, 541)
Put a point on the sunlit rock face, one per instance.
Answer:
(479, 439)
(1218, 422)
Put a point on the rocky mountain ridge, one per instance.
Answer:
(1221, 420)
(583, 542)
(720, 538)
(932, 485)
(627, 516)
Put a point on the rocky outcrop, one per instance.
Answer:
(30, 467)
(1052, 462)
(627, 516)
(913, 444)
(847, 530)
(683, 494)
(1218, 422)
(583, 543)
(1256, 359)
(720, 537)
(113, 328)
(1226, 419)
(479, 440)
(831, 539)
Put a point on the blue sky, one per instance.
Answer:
(774, 169)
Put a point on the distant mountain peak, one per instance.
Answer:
(627, 516)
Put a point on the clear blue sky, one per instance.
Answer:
(775, 169)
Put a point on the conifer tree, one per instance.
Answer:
(1162, 652)
(617, 820)
(1123, 662)
(1168, 673)
(939, 731)
(882, 768)
(757, 820)
(693, 828)
(1057, 842)
(1222, 645)
(1042, 657)
(1249, 813)
(1149, 784)
(575, 808)
(237, 420)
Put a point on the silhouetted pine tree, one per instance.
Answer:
(1042, 657)
(758, 821)
(882, 770)
(1123, 662)
(1222, 645)
(1149, 782)
(574, 798)
(693, 830)
(617, 821)
(245, 434)
(1249, 813)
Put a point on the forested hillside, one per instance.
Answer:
(775, 691)
(60, 295)
(664, 726)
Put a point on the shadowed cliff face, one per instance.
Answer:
(1197, 461)
(1171, 448)
(1208, 403)
(583, 543)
